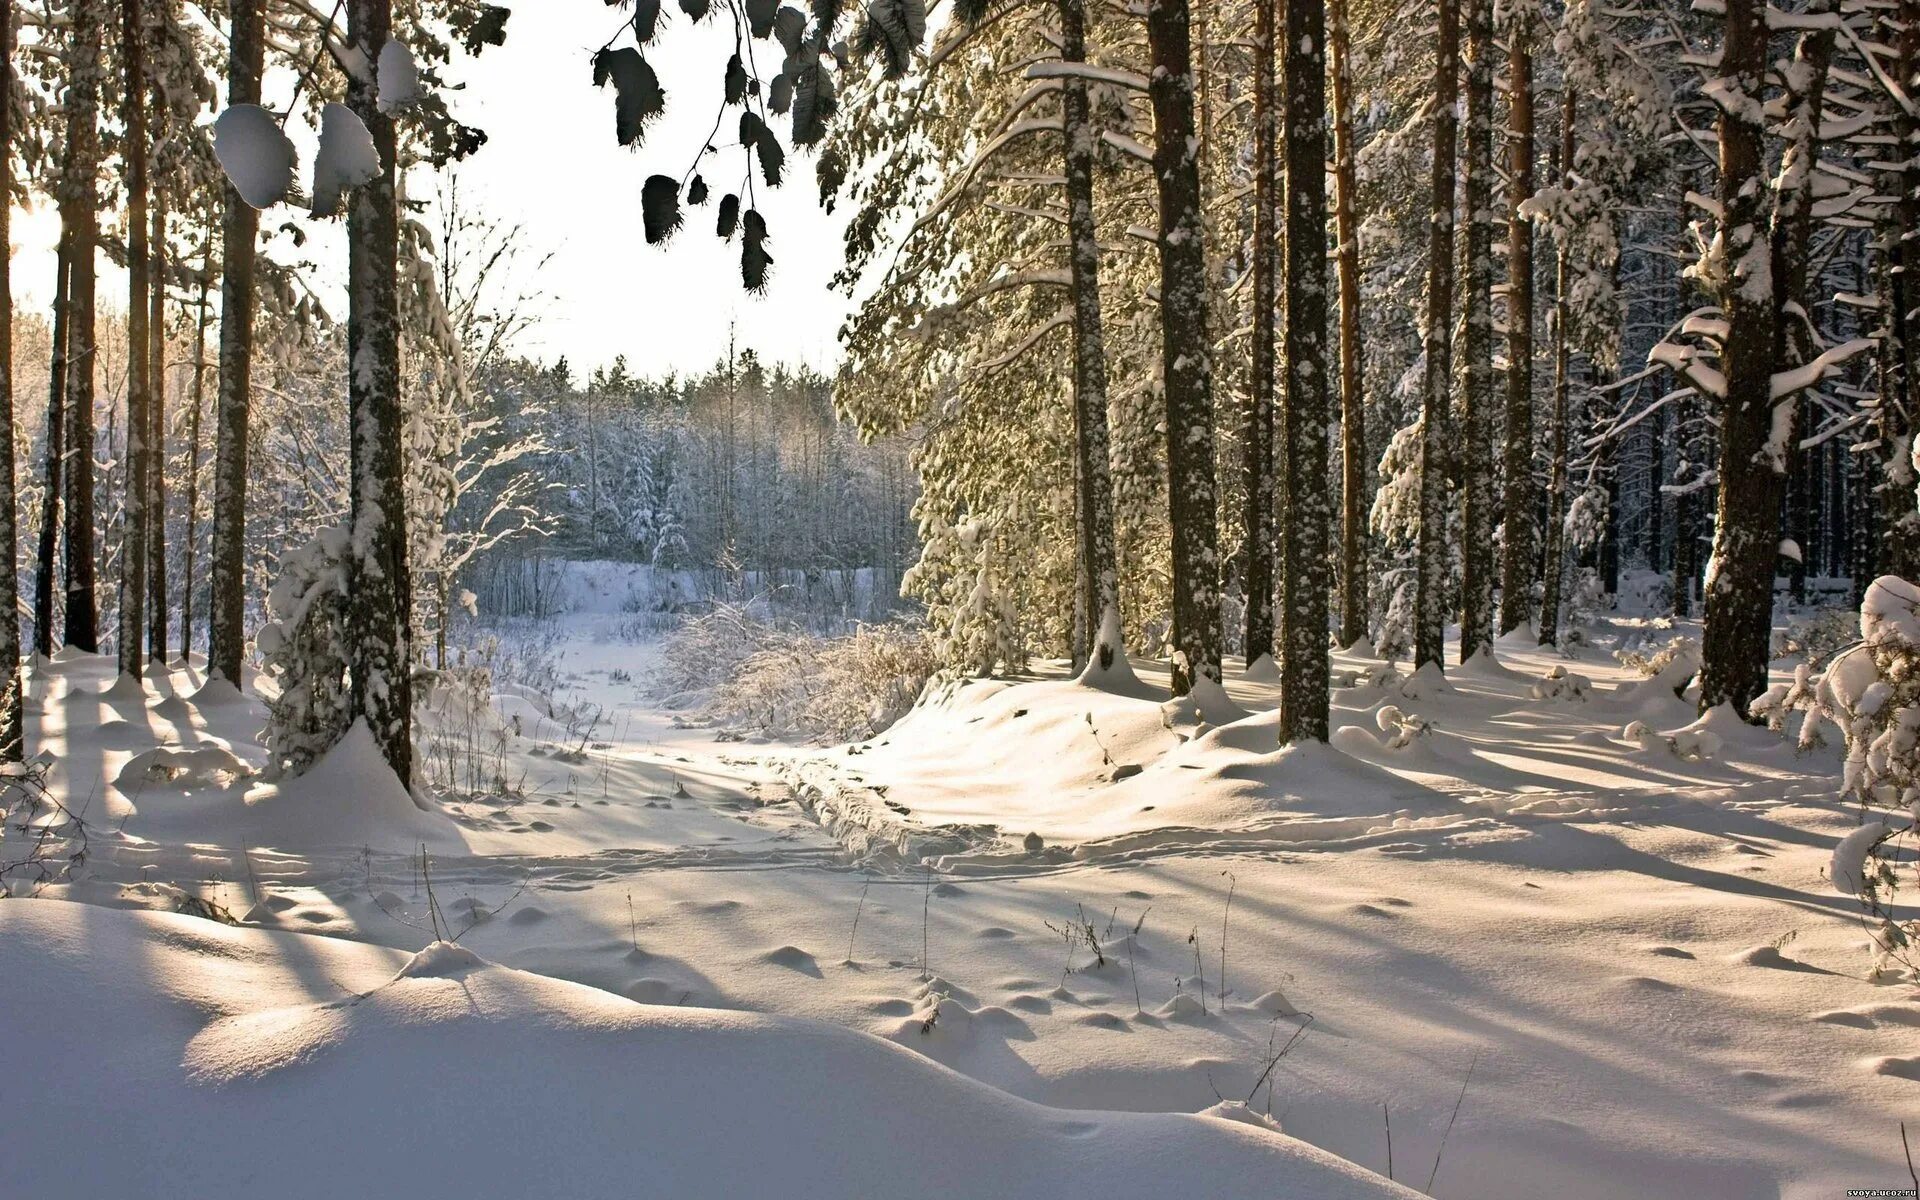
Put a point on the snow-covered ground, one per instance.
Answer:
(1609, 964)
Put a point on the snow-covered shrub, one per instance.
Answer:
(1561, 684)
(462, 738)
(1872, 693)
(1401, 729)
(1585, 605)
(1651, 661)
(303, 649)
(1818, 636)
(1394, 639)
(1690, 744)
(780, 681)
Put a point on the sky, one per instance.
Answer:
(553, 166)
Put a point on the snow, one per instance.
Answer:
(346, 159)
(1587, 900)
(255, 153)
(398, 77)
(1848, 867)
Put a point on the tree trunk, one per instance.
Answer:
(379, 599)
(46, 567)
(1185, 355)
(1896, 541)
(1555, 561)
(12, 734)
(1355, 488)
(83, 616)
(1517, 545)
(240, 229)
(192, 541)
(1303, 694)
(1430, 588)
(157, 441)
(1101, 574)
(133, 551)
(1258, 441)
(1476, 342)
(1739, 583)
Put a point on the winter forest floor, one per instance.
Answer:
(1612, 965)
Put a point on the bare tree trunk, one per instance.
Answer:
(157, 441)
(1517, 565)
(240, 229)
(1258, 441)
(1430, 584)
(1185, 357)
(12, 733)
(1355, 467)
(1555, 568)
(379, 600)
(46, 568)
(133, 558)
(1739, 585)
(83, 116)
(192, 541)
(1894, 548)
(1304, 686)
(1100, 572)
(1476, 343)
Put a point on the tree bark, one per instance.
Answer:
(1185, 356)
(157, 607)
(45, 576)
(1100, 572)
(1355, 487)
(379, 590)
(83, 116)
(1554, 567)
(1258, 440)
(1304, 684)
(191, 542)
(1430, 585)
(1517, 545)
(240, 229)
(1739, 583)
(1476, 342)
(133, 556)
(12, 733)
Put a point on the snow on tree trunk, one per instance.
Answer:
(133, 553)
(12, 744)
(379, 601)
(1185, 354)
(83, 213)
(1476, 341)
(240, 227)
(1739, 581)
(1258, 440)
(1098, 568)
(45, 575)
(1303, 688)
(1898, 542)
(1554, 559)
(1356, 491)
(1517, 544)
(1430, 597)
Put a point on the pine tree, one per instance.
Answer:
(240, 228)
(46, 568)
(12, 735)
(1476, 338)
(1258, 440)
(83, 216)
(1304, 685)
(1517, 543)
(1430, 598)
(1355, 474)
(1186, 360)
(133, 560)
(1554, 559)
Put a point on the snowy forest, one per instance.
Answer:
(1338, 618)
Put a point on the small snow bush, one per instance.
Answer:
(780, 681)
(1394, 638)
(304, 651)
(1871, 692)
(1818, 637)
(1400, 729)
(1650, 661)
(1561, 684)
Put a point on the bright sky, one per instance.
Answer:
(552, 165)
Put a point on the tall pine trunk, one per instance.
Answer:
(1258, 441)
(1517, 546)
(1355, 491)
(1894, 547)
(240, 229)
(83, 116)
(191, 541)
(1100, 573)
(46, 567)
(379, 590)
(1303, 693)
(1431, 567)
(1185, 355)
(157, 438)
(1476, 342)
(1554, 561)
(133, 553)
(1739, 583)
(12, 735)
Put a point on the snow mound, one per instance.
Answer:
(203, 765)
(311, 1069)
(349, 798)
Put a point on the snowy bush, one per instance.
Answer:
(303, 648)
(1394, 639)
(1561, 684)
(780, 681)
(1662, 659)
(1818, 636)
